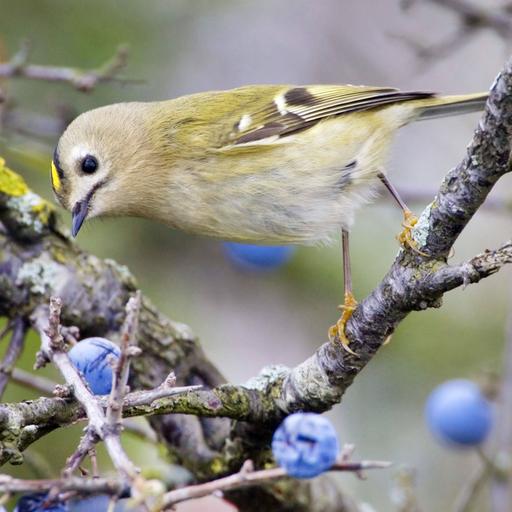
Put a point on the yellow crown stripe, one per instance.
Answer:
(55, 178)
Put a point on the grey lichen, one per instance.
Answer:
(267, 376)
(422, 228)
(41, 276)
(308, 383)
(122, 271)
(25, 207)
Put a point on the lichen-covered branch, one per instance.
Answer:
(38, 259)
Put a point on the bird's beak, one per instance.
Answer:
(79, 214)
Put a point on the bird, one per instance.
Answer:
(263, 164)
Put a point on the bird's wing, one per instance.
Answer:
(294, 109)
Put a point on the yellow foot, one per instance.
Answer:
(405, 237)
(338, 330)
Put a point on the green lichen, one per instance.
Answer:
(217, 466)
(28, 214)
(58, 254)
(11, 183)
(42, 210)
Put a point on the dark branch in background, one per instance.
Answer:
(475, 17)
(83, 80)
(471, 488)
(36, 126)
(501, 484)
(19, 329)
(40, 126)
(38, 260)
(35, 382)
(472, 18)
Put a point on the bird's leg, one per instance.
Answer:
(410, 220)
(350, 303)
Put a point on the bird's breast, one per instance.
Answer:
(296, 192)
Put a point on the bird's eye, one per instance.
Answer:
(89, 164)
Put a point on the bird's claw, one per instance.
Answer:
(405, 238)
(337, 331)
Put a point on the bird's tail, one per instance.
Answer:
(441, 106)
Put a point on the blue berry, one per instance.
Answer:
(258, 257)
(458, 413)
(96, 503)
(305, 445)
(35, 503)
(90, 356)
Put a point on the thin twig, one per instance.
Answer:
(36, 382)
(48, 326)
(114, 414)
(472, 15)
(134, 399)
(247, 476)
(111, 486)
(7, 327)
(52, 346)
(403, 493)
(141, 430)
(122, 367)
(469, 491)
(472, 19)
(501, 483)
(86, 444)
(426, 53)
(19, 329)
(83, 80)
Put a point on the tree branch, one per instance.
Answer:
(13, 352)
(37, 260)
(83, 80)
(52, 346)
(247, 476)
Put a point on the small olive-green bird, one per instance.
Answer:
(275, 164)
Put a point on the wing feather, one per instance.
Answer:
(297, 108)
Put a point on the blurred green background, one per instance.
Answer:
(249, 320)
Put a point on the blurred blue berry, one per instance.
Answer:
(96, 503)
(305, 445)
(258, 257)
(90, 356)
(35, 503)
(458, 413)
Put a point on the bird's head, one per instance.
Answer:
(97, 164)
